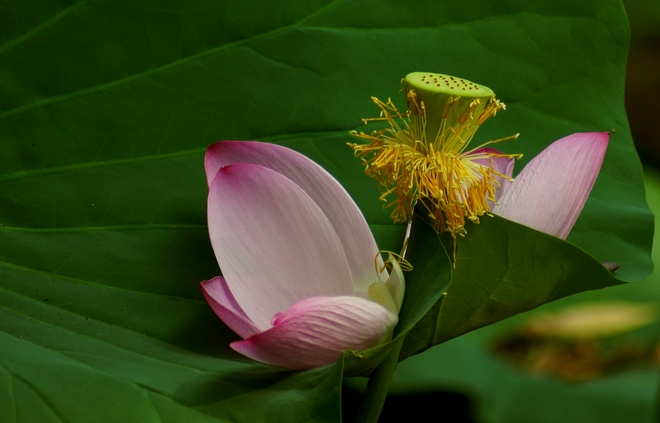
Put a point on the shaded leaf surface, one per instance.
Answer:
(502, 269)
(106, 108)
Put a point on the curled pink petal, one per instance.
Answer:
(274, 244)
(550, 192)
(316, 331)
(342, 212)
(222, 301)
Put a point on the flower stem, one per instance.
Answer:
(378, 385)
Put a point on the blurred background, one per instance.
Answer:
(643, 78)
(566, 361)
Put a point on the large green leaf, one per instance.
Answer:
(106, 108)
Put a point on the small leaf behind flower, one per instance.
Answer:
(502, 269)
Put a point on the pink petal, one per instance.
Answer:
(550, 192)
(316, 331)
(502, 165)
(344, 215)
(219, 296)
(273, 243)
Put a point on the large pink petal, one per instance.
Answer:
(316, 331)
(501, 165)
(273, 243)
(344, 215)
(222, 301)
(550, 192)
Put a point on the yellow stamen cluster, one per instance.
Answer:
(422, 156)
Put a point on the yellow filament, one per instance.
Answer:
(446, 180)
(405, 265)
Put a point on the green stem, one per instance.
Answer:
(378, 385)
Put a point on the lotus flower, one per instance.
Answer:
(303, 279)
(550, 192)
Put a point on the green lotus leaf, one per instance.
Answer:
(106, 108)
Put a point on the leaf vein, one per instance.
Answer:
(154, 157)
(108, 228)
(49, 22)
(19, 268)
(39, 104)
